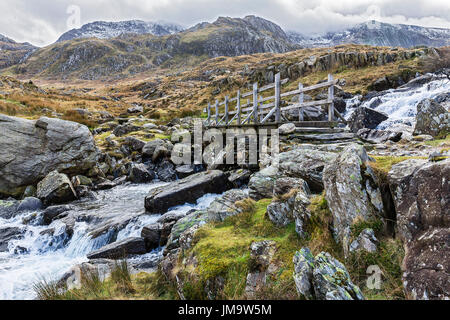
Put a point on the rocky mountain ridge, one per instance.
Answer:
(12, 53)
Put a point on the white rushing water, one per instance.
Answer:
(400, 104)
(39, 255)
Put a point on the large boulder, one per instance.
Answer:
(432, 119)
(352, 192)
(187, 190)
(56, 188)
(32, 149)
(364, 117)
(323, 277)
(421, 192)
(120, 249)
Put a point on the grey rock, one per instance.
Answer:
(140, 174)
(135, 144)
(187, 190)
(165, 171)
(8, 208)
(32, 149)
(30, 204)
(378, 136)
(55, 212)
(366, 118)
(56, 188)
(7, 234)
(152, 236)
(287, 128)
(303, 273)
(120, 249)
(225, 205)
(366, 241)
(432, 119)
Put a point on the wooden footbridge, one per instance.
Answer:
(272, 111)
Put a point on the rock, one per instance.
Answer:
(340, 105)
(166, 171)
(352, 192)
(134, 144)
(197, 218)
(152, 236)
(160, 152)
(81, 181)
(287, 128)
(432, 119)
(225, 205)
(30, 204)
(184, 171)
(420, 190)
(32, 149)
(426, 266)
(364, 117)
(8, 208)
(381, 84)
(261, 265)
(55, 212)
(239, 178)
(7, 234)
(140, 174)
(261, 183)
(366, 241)
(135, 109)
(124, 129)
(56, 188)
(331, 280)
(303, 273)
(150, 147)
(187, 190)
(378, 136)
(120, 249)
(284, 185)
(323, 277)
(30, 191)
(150, 126)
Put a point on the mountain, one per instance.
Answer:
(108, 30)
(378, 34)
(128, 54)
(12, 53)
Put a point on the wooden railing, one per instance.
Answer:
(258, 112)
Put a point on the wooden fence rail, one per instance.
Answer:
(258, 112)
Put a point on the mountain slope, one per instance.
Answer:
(378, 34)
(12, 53)
(129, 54)
(108, 30)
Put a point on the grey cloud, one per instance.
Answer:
(42, 22)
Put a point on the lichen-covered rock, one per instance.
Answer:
(225, 205)
(303, 272)
(323, 277)
(366, 241)
(261, 265)
(352, 192)
(56, 188)
(332, 281)
(196, 218)
(261, 183)
(32, 149)
(432, 119)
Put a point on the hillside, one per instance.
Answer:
(12, 53)
(378, 34)
(108, 30)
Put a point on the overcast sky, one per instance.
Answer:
(41, 22)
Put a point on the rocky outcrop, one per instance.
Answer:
(120, 249)
(323, 277)
(432, 119)
(32, 149)
(352, 192)
(187, 190)
(56, 188)
(364, 117)
(421, 196)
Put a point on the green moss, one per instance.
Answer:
(375, 224)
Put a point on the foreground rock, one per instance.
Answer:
(366, 118)
(120, 249)
(32, 149)
(187, 190)
(352, 192)
(378, 136)
(432, 119)
(421, 196)
(262, 265)
(323, 277)
(56, 188)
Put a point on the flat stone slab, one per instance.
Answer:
(186, 190)
(120, 249)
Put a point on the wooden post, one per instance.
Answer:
(277, 97)
(217, 112)
(255, 102)
(209, 113)
(238, 107)
(301, 99)
(226, 110)
(331, 98)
